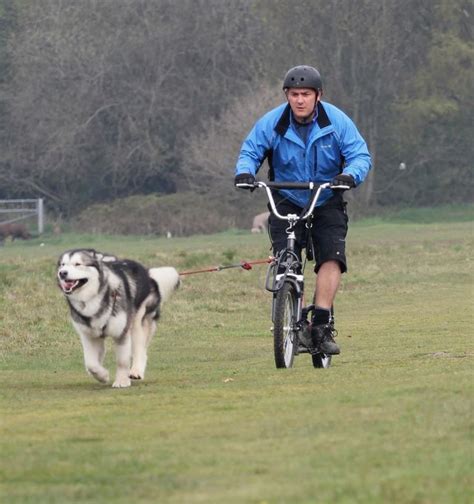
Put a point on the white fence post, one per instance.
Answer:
(40, 216)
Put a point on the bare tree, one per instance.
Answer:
(365, 51)
(213, 154)
(106, 93)
(110, 98)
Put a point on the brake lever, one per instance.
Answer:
(246, 186)
(343, 187)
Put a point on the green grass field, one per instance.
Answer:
(214, 421)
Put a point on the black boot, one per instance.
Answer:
(323, 341)
(306, 341)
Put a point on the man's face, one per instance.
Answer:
(302, 102)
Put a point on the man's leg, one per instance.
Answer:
(327, 283)
(330, 229)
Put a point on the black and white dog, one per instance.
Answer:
(116, 298)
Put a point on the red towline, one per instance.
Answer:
(246, 265)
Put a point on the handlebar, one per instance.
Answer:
(268, 186)
(289, 185)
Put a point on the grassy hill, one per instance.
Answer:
(214, 421)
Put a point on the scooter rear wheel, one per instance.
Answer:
(321, 360)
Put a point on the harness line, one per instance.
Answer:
(246, 265)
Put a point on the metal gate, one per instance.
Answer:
(21, 209)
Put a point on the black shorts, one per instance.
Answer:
(328, 231)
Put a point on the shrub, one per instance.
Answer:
(181, 214)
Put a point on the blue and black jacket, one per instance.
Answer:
(333, 146)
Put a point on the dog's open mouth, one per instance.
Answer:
(69, 286)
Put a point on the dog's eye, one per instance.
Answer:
(77, 264)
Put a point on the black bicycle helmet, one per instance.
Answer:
(303, 76)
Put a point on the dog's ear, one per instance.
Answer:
(109, 258)
(101, 256)
(94, 257)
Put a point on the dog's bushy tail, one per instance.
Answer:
(167, 279)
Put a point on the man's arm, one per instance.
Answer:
(354, 149)
(254, 150)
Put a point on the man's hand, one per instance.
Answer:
(342, 182)
(245, 178)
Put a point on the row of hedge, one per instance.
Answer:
(181, 214)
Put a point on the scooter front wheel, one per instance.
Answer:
(285, 336)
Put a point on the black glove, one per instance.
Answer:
(245, 178)
(342, 180)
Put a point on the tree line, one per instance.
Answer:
(104, 99)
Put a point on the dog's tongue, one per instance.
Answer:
(69, 284)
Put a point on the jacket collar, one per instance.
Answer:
(284, 122)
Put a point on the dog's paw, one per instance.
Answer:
(122, 382)
(100, 374)
(136, 374)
